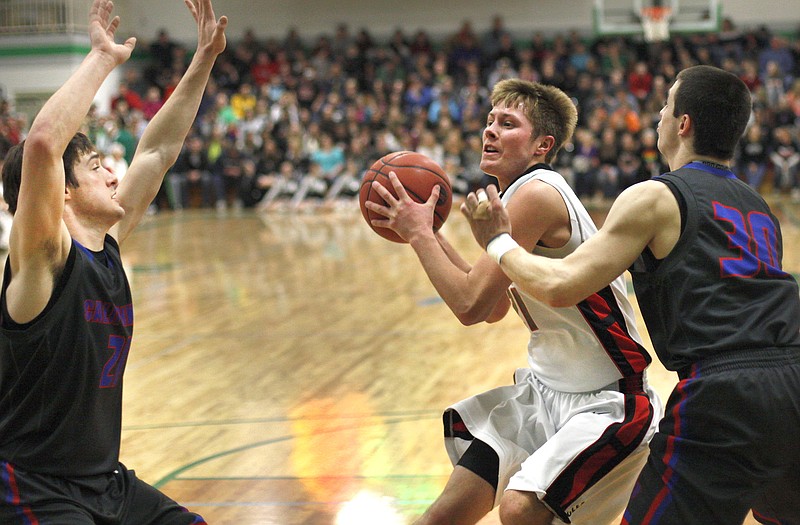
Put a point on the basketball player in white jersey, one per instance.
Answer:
(566, 442)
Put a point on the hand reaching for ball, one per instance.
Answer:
(486, 215)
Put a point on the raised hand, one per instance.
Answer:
(210, 32)
(102, 28)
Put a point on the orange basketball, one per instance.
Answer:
(418, 174)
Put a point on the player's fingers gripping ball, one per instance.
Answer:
(418, 174)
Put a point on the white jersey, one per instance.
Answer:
(574, 427)
(590, 345)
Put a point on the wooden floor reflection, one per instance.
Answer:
(292, 368)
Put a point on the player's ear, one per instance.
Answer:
(685, 124)
(545, 144)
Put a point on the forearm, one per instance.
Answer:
(458, 287)
(62, 115)
(167, 130)
(540, 277)
(452, 254)
(557, 282)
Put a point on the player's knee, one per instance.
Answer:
(517, 508)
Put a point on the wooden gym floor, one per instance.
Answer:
(291, 368)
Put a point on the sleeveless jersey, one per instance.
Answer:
(722, 288)
(592, 344)
(61, 373)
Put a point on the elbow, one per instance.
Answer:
(476, 313)
(39, 143)
(558, 294)
(464, 312)
(469, 319)
(560, 301)
(167, 157)
(162, 159)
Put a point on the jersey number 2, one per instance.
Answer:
(115, 366)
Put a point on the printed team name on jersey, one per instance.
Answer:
(107, 313)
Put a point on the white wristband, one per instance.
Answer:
(500, 245)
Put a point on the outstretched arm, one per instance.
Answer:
(644, 215)
(164, 136)
(39, 239)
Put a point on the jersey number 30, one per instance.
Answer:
(754, 239)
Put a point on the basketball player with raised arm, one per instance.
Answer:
(566, 442)
(66, 317)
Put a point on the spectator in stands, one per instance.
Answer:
(312, 186)
(585, 163)
(329, 156)
(129, 96)
(190, 180)
(430, 146)
(152, 102)
(417, 96)
(608, 173)
(115, 160)
(752, 160)
(653, 163)
(225, 116)
(161, 50)
(629, 161)
(749, 75)
(242, 100)
(463, 47)
(445, 104)
(778, 52)
(640, 81)
(501, 69)
(785, 157)
(280, 185)
(228, 175)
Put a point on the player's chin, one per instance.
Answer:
(488, 165)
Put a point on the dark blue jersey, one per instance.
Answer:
(61, 373)
(722, 288)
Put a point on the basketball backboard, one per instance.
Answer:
(635, 17)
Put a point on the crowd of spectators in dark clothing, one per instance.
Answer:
(289, 120)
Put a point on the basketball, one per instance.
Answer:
(418, 174)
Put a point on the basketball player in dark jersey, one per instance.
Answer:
(705, 254)
(66, 315)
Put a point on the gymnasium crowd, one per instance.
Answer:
(294, 121)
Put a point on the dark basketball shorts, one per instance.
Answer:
(116, 498)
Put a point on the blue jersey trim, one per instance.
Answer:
(697, 165)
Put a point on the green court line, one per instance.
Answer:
(297, 478)
(189, 466)
(196, 504)
(281, 419)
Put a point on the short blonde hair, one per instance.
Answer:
(549, 109)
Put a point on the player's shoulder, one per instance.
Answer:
(650, 191)
(537, 211)
(535, 193)
(648, 202)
